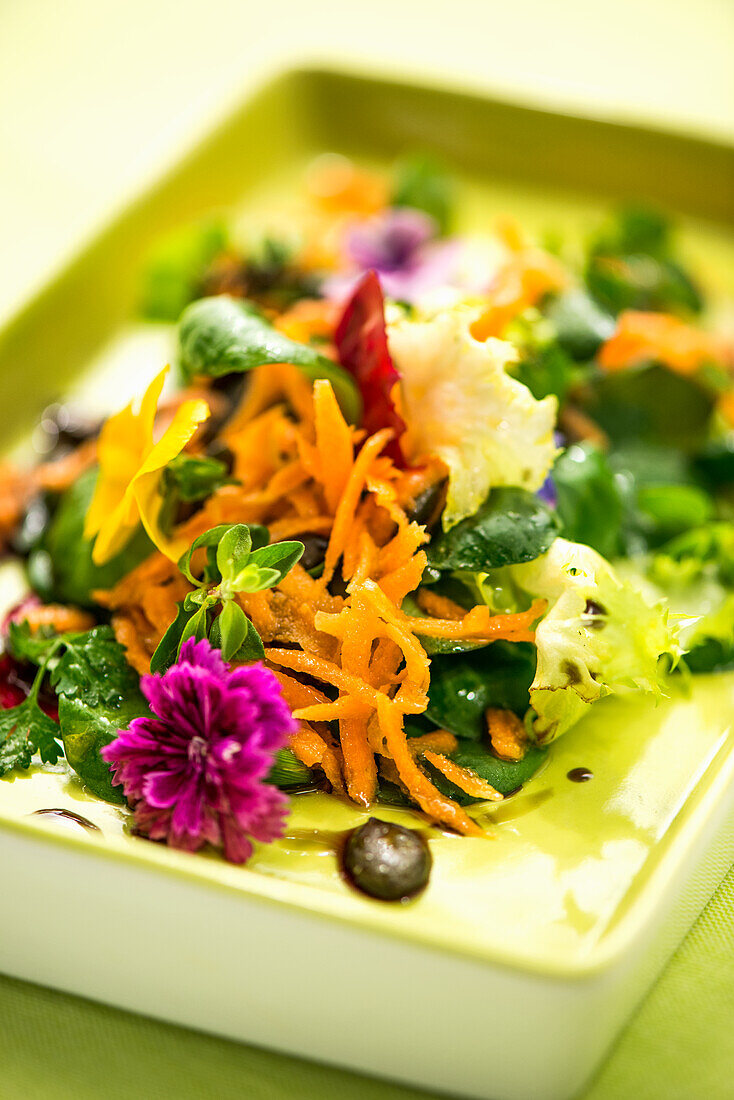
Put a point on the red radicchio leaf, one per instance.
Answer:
(361, 341)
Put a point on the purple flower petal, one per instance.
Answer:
(195, 772)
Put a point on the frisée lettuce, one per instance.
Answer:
(598, 637)
(460, 403)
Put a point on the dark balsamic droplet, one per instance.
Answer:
(386, 861)
(580, 775)
(69, 816)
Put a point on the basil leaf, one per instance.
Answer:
(233, 551)
(220, 335)
(232, 628)
(281, 557)
(464, 686)
(504, 775)
(68, 574)
(212, 537)
(167, 651)
(511, 526)
(588, 501)
(252, 648)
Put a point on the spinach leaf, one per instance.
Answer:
(632, 265)
(581, 324)
(715, 461)
(511, 526)
(61, 568)
(288, 772)
(650, 405)
(504, 775)
(222, 335)
(421, 183)
(176, 268)
(464, 686)
(546, 370)
(588, 501)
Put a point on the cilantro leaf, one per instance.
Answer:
(94, 667)
(24, 730)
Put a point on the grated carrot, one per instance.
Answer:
(464, 778)
(659, 337)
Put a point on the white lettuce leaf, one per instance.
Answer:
(599, 636)
(459, 403)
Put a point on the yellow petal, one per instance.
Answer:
(124, 442)
(146, 483)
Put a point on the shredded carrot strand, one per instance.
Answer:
(644, 336)
(464, 778)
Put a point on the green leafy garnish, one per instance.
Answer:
(588, 500)
(61, 567)
(195, 477)
(632, 265)
(222, 335)
(176, 267)
(464, 686)
(238, 559)
(511, 526)
(98, 694)
(421, 183)
(581, 325)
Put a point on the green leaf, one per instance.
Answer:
(253, 578)
(464, 686)
(168, 647)
(176, 268)
(281, 557)
(546, 370)
(588, 501)
(252, 648)
(86, 729)
(24, 730)
(650, 405)
(581, 324)
(68, 574)
(212, 537)
(504, 775)
(233, 551)
(287, 772)
(421, 183)
(511, 526)
(94, 668)
(24, 646)
(232, 628)
(196, 627)
(220, 335)
(195, 477)
(672, 509)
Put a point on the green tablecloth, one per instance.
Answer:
(680, 1044)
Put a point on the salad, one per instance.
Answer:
(415, 503)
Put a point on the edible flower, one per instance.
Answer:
(131, 466)
(400, 245)
(196, 771)
(658, 337)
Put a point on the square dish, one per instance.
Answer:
(565, 916)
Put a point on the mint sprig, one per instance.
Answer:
(238, 559)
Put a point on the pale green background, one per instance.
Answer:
(94, 98)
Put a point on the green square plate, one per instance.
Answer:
(553, 926)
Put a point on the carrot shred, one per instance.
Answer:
(463, 778)
(350, 499)
(429, 798)
(527, 276)
(435, 741)
(658, 337)
(507, 734)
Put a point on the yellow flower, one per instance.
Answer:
(131, 467)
